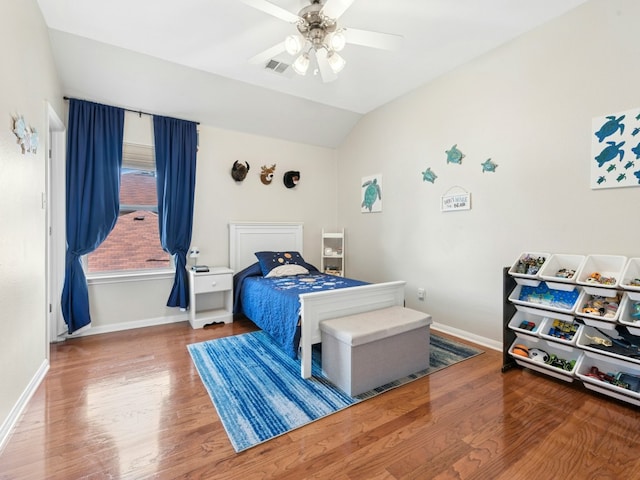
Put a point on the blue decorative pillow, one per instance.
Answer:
(270, 260)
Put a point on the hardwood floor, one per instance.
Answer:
(131, 405)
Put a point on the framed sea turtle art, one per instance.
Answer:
(615, 150)
(371, 194)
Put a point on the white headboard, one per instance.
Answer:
(246, 238)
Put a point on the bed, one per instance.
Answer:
(247, 238)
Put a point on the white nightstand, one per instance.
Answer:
(210, 297)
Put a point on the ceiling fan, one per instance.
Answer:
(319, 36)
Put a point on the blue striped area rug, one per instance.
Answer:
(259, 394)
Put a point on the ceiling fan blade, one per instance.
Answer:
(327, 74)
(272, 9)
(335, 8)
(263, 57)
(366, 38)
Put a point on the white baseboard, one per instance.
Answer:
(485, 342)
(14, 415)
(118, 327)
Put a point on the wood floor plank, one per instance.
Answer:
(131, 405)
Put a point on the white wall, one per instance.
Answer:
(528, 105)
(220, 200)
(28, 80)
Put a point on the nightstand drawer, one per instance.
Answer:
(212, 283)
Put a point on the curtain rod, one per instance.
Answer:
(139, 112)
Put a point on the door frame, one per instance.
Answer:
(55, 232)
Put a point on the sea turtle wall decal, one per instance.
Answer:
(372, 194)
(610, 127)
(429, 176)
(488, 166)
(611, 151)
(454, 155)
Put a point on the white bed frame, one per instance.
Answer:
(246, 238)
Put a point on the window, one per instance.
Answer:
(134, 242)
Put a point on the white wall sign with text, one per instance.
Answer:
(455, 201)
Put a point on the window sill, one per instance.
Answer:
(130, 276)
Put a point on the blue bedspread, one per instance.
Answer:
(273, 303)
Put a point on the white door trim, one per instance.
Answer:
(56, 238)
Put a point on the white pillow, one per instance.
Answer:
(284, 270)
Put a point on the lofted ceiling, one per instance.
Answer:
(189, 59)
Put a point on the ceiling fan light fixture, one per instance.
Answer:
(293, 44)
(301, 65)
(336, 62)
(337, 40)
(319, 35)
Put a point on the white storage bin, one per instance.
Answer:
(607, 266)
(547, 327)
(543, 297)
(527, 314)
(632, 323)
(565, 352)
(558, 262)
(601, 324)
(529, 282)
(607, 365)
(587, 298)
(514, 271)
(589, 333)
(631, 272)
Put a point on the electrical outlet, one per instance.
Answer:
(421, 294)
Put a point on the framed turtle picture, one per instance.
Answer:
(371, 194)
(615, 150)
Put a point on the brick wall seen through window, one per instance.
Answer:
(134, 243)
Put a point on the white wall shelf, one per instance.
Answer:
(333, 253)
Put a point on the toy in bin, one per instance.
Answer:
(565, 273)
(520, 349)
(525, 325)
(544, 295)
(622, 343)
(529, 265)
(563, 330)
(539, 355)
(619, 379)
(599, 279)
(606, 307)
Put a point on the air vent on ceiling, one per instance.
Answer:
(276, 66)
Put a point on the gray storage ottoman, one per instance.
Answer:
(367, 350)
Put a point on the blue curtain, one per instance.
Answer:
(176, 143)
(94, 161)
